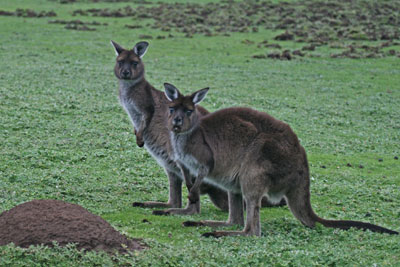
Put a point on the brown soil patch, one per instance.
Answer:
(286, 36)
(314, 22)
(78, 24)
(305, 20)
(44, 221)
(28, 13)
(285, 55)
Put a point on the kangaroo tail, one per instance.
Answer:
(345, 225)
(299, 203)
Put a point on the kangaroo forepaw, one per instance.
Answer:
(160, 212)
(139, 138)
(139, 142)
(137, 204)
(212, 234)
(192, 224)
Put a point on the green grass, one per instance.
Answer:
(63, 135)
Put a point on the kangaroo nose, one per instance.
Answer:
(178, 121)
(126, 73)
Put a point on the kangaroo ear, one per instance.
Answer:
(118, 49)
(198, 96)
(171, 92)
(140, 48)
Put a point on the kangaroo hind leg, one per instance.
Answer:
(235, 214)
(252, 193)
(175, 195)
(252, 227)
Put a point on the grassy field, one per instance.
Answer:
(63, 135)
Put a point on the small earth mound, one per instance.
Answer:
(44, 221)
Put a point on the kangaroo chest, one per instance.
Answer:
(156, 140)
(132, 110)
(128, 102)
(158, 147)
(227, 180)
(179, 143)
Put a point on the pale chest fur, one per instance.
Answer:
(128, 103)
(179, 143)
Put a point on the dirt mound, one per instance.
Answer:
(44, 221)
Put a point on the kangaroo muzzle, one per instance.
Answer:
(178, 121)
(125, 74)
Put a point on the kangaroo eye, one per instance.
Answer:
(189, 112)
(134, 63)
(120, 63)
(171, 110)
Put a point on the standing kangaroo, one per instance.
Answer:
(250, 154)
(146, 107)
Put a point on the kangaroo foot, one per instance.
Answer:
(161, 212)
(137, 204)
(212, 234)
(192, 224)
(152, 204)
(191, 208)
(218, 234)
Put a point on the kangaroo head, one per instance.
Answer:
(182, 114)
(129, 65)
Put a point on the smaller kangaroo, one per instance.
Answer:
(129, 69)
(251, 155)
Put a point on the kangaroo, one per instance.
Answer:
(146, 107)
(250, 154)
